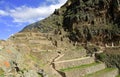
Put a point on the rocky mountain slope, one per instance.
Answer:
(80, 39)
(96, 21)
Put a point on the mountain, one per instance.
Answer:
(80, 39)
(96, 21)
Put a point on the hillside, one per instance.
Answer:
(80, 39)
(95, 21)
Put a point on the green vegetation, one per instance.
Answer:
(111, 59)
(36, 59)
(102, 56)
(79, 67)
(118, 76)
(1, 73)
(78, 48)
(98, 73)
(40, 76)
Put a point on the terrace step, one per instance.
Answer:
(83, 70)
(73, 62)
(108, 72)
(40, 42)
(73, 54)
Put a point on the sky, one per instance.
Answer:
(16, 14)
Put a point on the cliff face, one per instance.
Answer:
(84, 21)
(93, 20)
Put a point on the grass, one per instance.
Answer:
(118, 76)
(78, 48)
(79, 67)
(1, 73)
(37, 60)
(98, 73)
(39, 76)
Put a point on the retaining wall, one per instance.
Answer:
(84, 71)
(63, 65)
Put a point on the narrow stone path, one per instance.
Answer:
(71, 60)
(60, 56)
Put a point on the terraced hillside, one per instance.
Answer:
(35, 55)
(42, 50)
(75, 41)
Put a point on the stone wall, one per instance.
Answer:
(75, 62)
(112, 73)
(73, 54)
(84, 71)
(40, 42)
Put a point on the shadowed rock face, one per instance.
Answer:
(95, 21)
